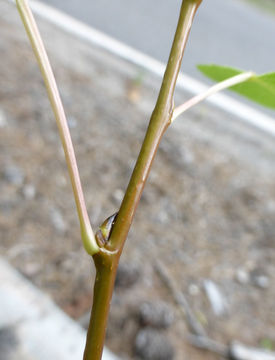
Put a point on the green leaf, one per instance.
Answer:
(260, 89)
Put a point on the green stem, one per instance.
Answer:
(107, 259)
(106, 265)
(160, 120)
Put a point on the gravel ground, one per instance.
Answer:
(207, 213)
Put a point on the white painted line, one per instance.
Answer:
(243, 112)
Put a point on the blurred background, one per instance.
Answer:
(238, 33)
(205, 225)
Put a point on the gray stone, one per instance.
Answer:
(242, 276)
(14, 175)
(151, 344)
(8, 342)
(156, 314)
(261, 281)
(127, 275)
(72, 122)
(239, 351)
(117, 196)
(216, 298)
(259, 278)
(3, 119)
(193, 289)
(58, 221)
(29, 192)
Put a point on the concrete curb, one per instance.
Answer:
(32, 327)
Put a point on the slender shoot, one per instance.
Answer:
(159, 122)
(87, 234)
(211, 91)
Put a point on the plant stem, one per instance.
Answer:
(107, 259)
(160, 120)
(88, 238)
(106, 265)
(211, 91)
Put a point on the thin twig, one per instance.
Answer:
(211, 91)
(234, 351)
(205, 343)
(179, 298)
(88, 238)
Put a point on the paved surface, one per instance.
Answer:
(226, 32)
(32, 327)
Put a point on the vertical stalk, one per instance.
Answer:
(160, 120)
(106, 265)
(107, 259)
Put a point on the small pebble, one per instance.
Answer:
(270, 206)
(151, 344)
(193, 289)
(261, 281)
(243, 352)
(242, 276)
(127, 275)
(162, 217)
(61, 180)
(117, 196)
(9, 342)
(156, 314)
(29, 192)
(58, 221)
(259, 278)
(30, 269)
(72, 122)
(14, 175)
(216, 298)
(188, 156)
(3, 119)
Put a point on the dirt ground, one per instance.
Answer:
(207, 212)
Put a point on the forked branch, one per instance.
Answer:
(107, 261)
